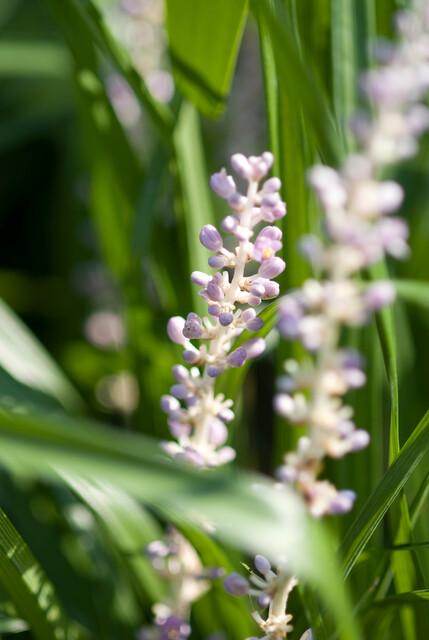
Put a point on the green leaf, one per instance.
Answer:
(413, 291)
(33, 596)
(247, 511)
(33, 59)
(193, 183)
(384, 495)
(25, 361)
(127, 527)
(204, 38)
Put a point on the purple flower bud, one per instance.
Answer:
(391, 195)
(237, 202)
(237, 357)
(225, 455)
(174, 627)
(359, 439)
(217, 433)
(272, 185)
(253, 300)
(261, 164)
(255, 324)
(193, 327)
(342, 502)
(271, 268)
(169, 404)
(286, 474)
(214, 310)
(248, 315)
(179, 429)
(257, 289)
(214, 371)
(236, 585)
(254, 347)
(272, 289)
(226, 318)
(200, 278)
(242, 166)
(229, 224)
(215, 292)
(191, 357)
(179, 391)
(262, 564)
(180, 373)
(264, 600)
(217, 262)
(157, 549)
(175, 329)
(379, 295)
(267, 243)
(222, 184)
(211, 238)
(226, 415)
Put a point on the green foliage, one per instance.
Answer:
(88, 184)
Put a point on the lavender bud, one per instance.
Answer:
(342, 503)
(200, 278)
(272, 185)
(193, 327)
(237, 202)
(229, 224)
(359, 439)
(214, 310)
(217, 262)
(272, 289)
(391, 195)
(254, 347)
(248, 315)
(264, 600)
(191, 357)
(179, 391)
(169, 404)
(179, 429)
(379, 295)
(255, 324)
(211, 238)
(257, 289)
(237, 358)
(175, 329)
(254, 301)
(236, 585)
(262, 564)
(226, 415)
(217, 432)
(214, 371)
(242, 166)
(222, 184)
(214, 290)
(226, 318)
(180, 373)
(271, 268)
(157, 549)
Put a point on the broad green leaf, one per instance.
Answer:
(413, 291)
(33, 596)
(193, 185)
(384, 495)
(33, 59)
(204, 38)
(246, 510)
(127, 527)
(25, 361)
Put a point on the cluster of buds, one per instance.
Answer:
(360, 230)
(177, 562)
(197, 416)
(270, 590)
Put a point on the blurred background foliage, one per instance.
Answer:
(113, 113)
